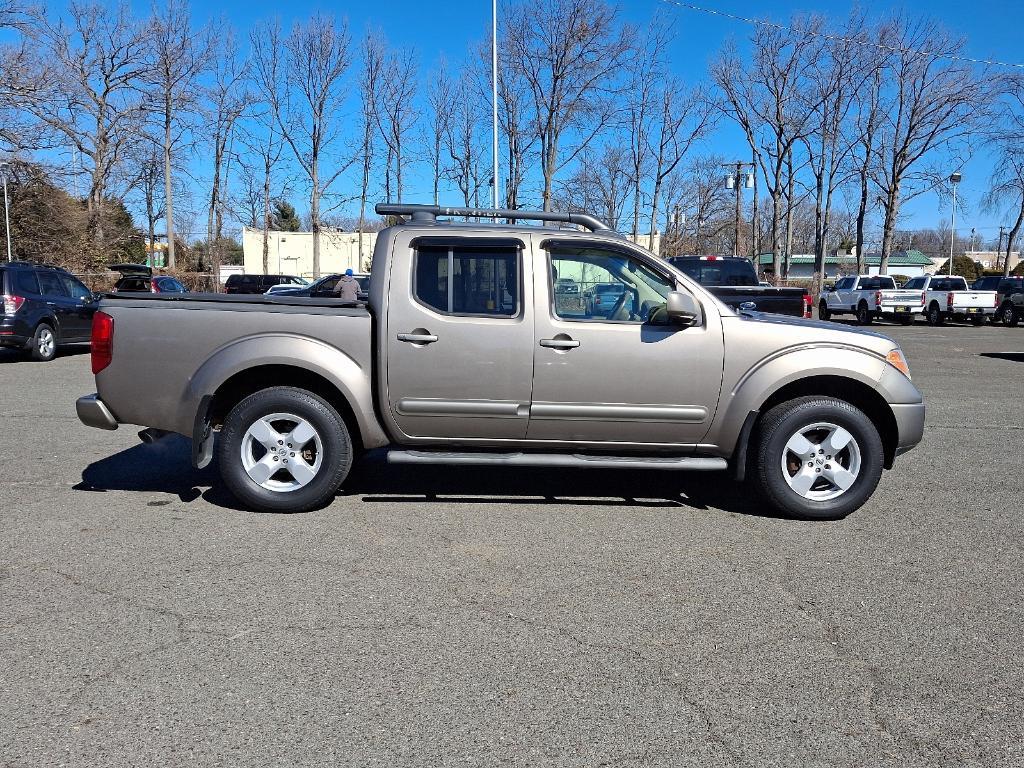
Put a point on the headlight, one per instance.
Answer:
(896, 359)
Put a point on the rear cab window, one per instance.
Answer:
(25, 282)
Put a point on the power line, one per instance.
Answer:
(829, 36)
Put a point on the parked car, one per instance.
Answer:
(601, 298)
(252, 283)
(566, 285)
(734, 281)
(324, 287)
(44, 308)
(947, 296)
(139, 278)
(290, 285)
(437, 373)
(1007, 310)
(858, 295)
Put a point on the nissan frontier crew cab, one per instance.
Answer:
(466, 352)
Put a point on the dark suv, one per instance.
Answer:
(43, 308)
(248, 283)
(1005, 287)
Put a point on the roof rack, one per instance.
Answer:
(427, 214)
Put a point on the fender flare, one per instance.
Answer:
(353, 382)
(787, 366)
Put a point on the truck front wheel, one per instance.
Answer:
(284, 450)
(823, 312)
(817, 458)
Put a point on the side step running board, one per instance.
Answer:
(692, 463)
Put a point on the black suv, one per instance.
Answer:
(43, 307)
(1005, 287)
(248, 283)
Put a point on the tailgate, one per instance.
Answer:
(898, 299)
(974, 300)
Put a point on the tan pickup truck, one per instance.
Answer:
(466, 352)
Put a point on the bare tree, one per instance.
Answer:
(646, 75)
(85, 89)
(683, 118)
(601, 183)
(305, 92)
(840, 70)
(440, 99)
(227, 99)
(569, 52)
(396, 116)
(149, 182)
(862, 157)
(180, 53)
(1006, 136)
(463, 141)
(766, 101)
(369, 79)
(929, 104)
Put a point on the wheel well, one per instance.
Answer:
(852, 391)
(251, 380)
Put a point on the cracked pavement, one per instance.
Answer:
(444, 616)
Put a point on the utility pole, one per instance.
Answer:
(999, 247)
(737, 181)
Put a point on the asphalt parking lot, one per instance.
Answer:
(444, 616)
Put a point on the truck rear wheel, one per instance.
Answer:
(817, 458)
(863, 314)
(284, 450)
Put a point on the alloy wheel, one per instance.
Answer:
(282, 452)
(821, 461)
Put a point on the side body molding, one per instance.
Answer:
(353, 381)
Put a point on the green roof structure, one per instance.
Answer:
(912, 258)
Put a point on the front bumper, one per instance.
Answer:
(94, 413)
(909, 425)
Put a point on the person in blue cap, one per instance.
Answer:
(347, 288)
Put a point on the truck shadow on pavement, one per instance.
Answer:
(165, 467)
(1013, 357)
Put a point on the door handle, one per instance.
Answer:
(564, 343)
(417, 338)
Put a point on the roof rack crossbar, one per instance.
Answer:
(429, 213)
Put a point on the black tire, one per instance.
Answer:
(935, 315)
(863, 314)
(1009, 315)
(906, 320)
(43, 347)
(776, 429)
(823, 313)
(332, 461)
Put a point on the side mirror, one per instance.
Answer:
(681, 308)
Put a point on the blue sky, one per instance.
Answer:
(992, 28)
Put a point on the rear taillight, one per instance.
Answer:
(102, 341)
(807, 305)
(12, 303)
(949, 300)
(878, 298)
(995, 300)
(923, 297)
(152, 287)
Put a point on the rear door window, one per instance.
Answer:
(74, 288)
(49, 284)
(26, 282)
(465, 280)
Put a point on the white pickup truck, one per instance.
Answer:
(867, 297)
(947, 296)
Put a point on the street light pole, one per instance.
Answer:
(494, 96)
(954, 179)
(7, 212)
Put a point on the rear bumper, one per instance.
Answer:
(909, 425)
(94, 413)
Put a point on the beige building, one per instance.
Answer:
(291, 253)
